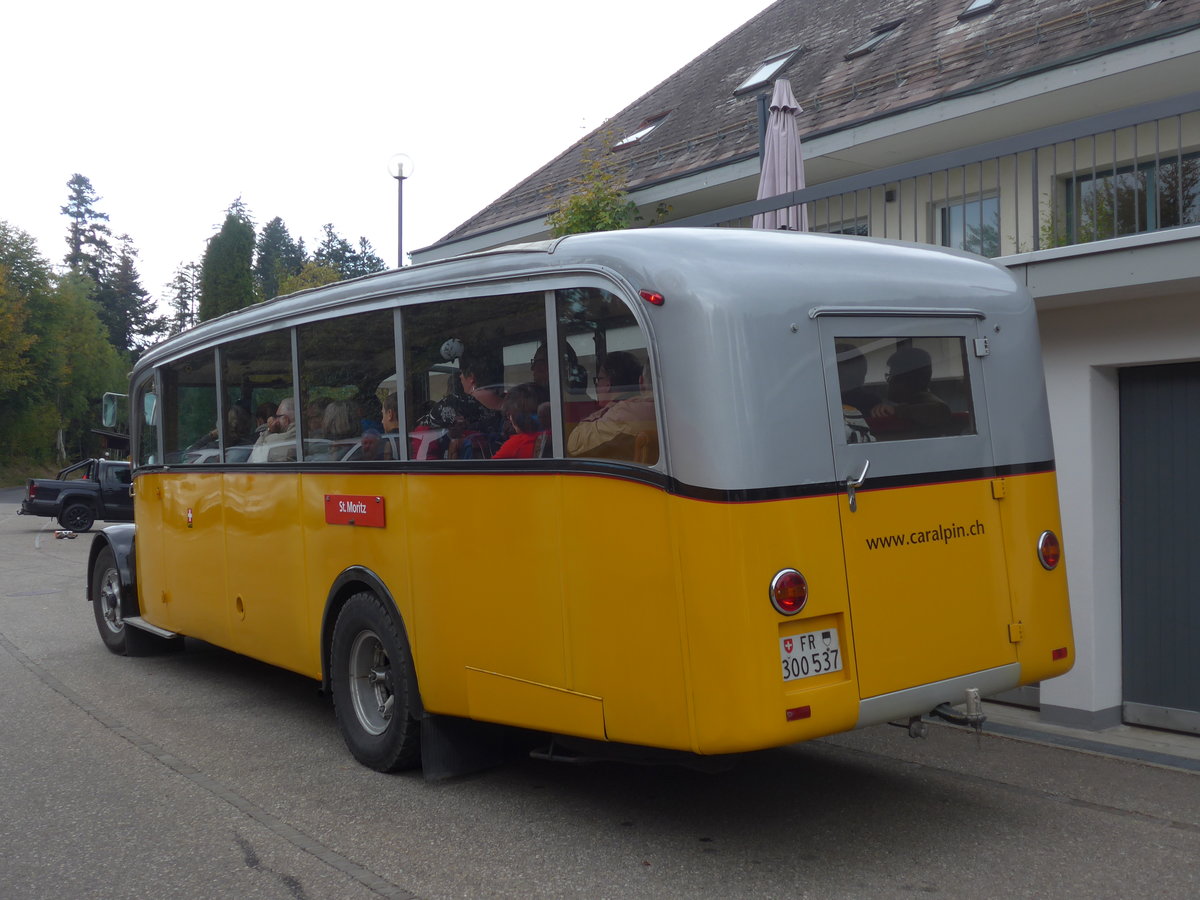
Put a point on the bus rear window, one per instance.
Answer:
(904, 388)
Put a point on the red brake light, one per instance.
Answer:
(789, 591)
(1048, 550)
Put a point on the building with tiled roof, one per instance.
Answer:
(1060, 138)
(704, 148)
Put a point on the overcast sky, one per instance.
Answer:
(174, 110)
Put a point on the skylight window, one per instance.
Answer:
(642, 131)
(878, 36)
(978, 6)
(767, 71)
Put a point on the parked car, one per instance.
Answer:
(89, 490)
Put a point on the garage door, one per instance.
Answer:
(1160, 545)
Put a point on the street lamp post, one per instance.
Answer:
(400, 167)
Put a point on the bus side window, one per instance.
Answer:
(347, 371)
(147, 419)
(262, 368)
(462, 358)
(608, 391)
(189, 414)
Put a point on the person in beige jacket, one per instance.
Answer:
(624, 426)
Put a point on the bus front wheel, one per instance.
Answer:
(374, 686)
(122, 639)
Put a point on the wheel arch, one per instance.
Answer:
(66, 500)
(349, 582)
(121, 539)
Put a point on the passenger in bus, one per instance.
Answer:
(857, 400)
(372, 447)
(278, 442)
(263, 414)
(626, 415)
(576, 402)
(390, 419)
(472, 419)
(237, 431)
(391, 413)
(338, 432)
(314, 416)
(910, 409)
(339, 420)
(521, 414)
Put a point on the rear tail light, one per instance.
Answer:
(789, 591)
(654, 298)
(1048, 550)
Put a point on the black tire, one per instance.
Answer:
(122, 639)
(77, 517)
(374, 686)
(106, 602)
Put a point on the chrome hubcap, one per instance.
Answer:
(110, 601)
(371, 689)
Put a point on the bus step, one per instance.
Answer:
(556, 753)
(139, 622)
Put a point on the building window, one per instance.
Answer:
(767, 71)
(972, 225)
(1128, 200)
(642, 131)
(878, 36)
(977, 6)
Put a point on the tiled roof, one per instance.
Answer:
(932, 54)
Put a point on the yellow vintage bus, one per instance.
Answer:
(701, 490)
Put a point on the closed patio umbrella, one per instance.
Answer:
(782, 161)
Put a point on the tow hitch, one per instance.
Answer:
(973, 717)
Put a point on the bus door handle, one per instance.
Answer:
(853, 483)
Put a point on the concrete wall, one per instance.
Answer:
(1084, 346)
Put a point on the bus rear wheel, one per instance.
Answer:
(374, 686)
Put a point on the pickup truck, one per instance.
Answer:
(89, 490)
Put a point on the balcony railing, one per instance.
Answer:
(1116, 174)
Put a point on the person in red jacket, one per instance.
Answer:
(520, 412)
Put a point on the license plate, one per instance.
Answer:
(812, 653)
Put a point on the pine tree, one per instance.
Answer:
(364, 260)
(227, 274)
(184, 297)
(334, 251)
(277, 256)
(140, 325)
(88, 237)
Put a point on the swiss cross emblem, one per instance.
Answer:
(787, 645)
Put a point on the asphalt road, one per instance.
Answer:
(203, 774)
